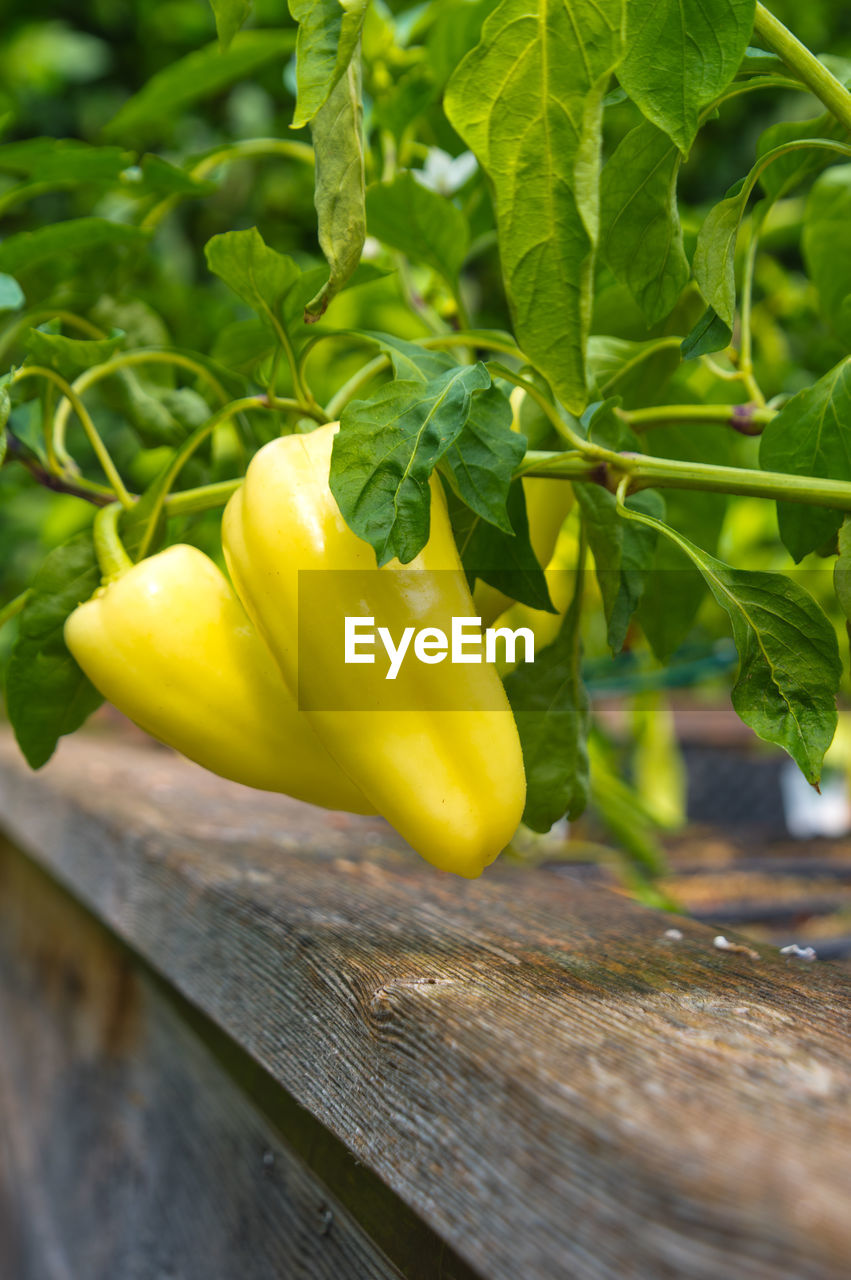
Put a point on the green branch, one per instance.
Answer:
(745, 418)
(646, 472)
(798, 59)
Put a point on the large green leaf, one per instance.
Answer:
(637, 372)
(258, 274)
(328, 34)
(386, 450)
(623, 553)
(230, 15)
(503, 560)
(70, 356)
(412, 361)
(57, 161)
(679, 55)
(425, 226)
(154, 108)
(481, 462)
(551, 707)
(528, 101)
(789, 666)
(337, 132)
(29, 249)
(47, 695)
(827, 248)
(640, 232)
(811, 436)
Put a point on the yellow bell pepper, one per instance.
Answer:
(435, 750)
(168, 643)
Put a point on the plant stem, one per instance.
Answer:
(353, 385)
(561, 428)
(646, 472)
(123, 360)
(112, 557)
(484, 339)
(745, 418)
(746, 348)
(191, 501)
(92, 434)
(798, 59)
(182, 456)
(57, 482)
(13, 608)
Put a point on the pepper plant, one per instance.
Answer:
(525, 274)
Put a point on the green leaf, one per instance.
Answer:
(160, 415)
(640, 232)
(480, 465)
(328, 35)
(679, 55)
(635, 371)
(790, 170)
(505, 561)
(552, 711)
(708, 335)
(675, 589)
(789, 666)
(423, 225)
(528, 100)
(11, 294)
(78, 235)
(230, 16)
(842, 570)
(811, 436)
(258, 274)
(157, 177)
(827, 245)
(47, 695)
(339, 194)
(199, 75)
(623, 554)
(70, 356)
(63, 161)
(411, 361)
(715, 257)
(243, 345)
(386, 450)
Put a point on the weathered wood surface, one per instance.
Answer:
(554, 1085)
(127, 1153)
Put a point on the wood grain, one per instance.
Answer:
(549, 1081)
(128, 1153)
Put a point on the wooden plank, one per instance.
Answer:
(128, 1153)
(552, 1083)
